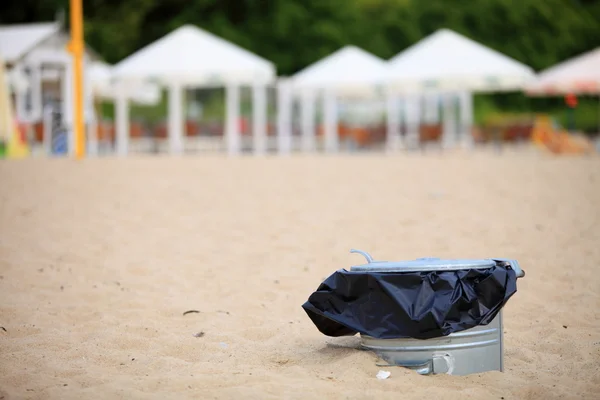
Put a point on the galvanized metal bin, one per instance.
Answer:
(474, 350)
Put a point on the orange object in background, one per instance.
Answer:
(136, 130)
(361, 136)
(571, 100)
(105, 131)
(430, 133)
(38, 132)
(244, 126)
(559, 141)
(517, 131)
(160, 131)
(22, 131)
(76, 47)
(192, 128)
(344, 131)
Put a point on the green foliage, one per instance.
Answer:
(586, 114)
(296, 33)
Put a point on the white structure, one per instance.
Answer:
(191, 57)
(446, 60)
(578, 75)
(446, 63)
(17, 40)
(349, 72)
(103, 86)
(16, 43)
(284, 116)
(40, 68)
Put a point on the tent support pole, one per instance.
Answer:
(259, 118)
(122, 120)
(176, 118)
(232, 116)
(393, 137)
(308, 121)
(331, 122)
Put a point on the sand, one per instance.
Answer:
(100, 259)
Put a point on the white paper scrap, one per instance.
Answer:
(383, 374)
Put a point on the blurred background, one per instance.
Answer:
(292, 35)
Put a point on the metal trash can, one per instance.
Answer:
(473, 350)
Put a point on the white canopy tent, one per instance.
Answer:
(192, 57)
(16, 40)
(41, 76)
(447, 60)
(103, 87)
(578, 75)
(55, 54)
(448, 63)
(350, 72)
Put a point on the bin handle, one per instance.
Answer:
(364, 253)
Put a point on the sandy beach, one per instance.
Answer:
(100, 259)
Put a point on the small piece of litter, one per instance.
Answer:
(223, 345)
(199, 334)
(383, 374)
(191, 312)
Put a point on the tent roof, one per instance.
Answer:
(348, 70)
(192, 56)
(99, 72)
(577, 75)
(100, 78)
(448, 60)
(16, 40)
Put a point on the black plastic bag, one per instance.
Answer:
(420, 305)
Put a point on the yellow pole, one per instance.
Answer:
(76, 47)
